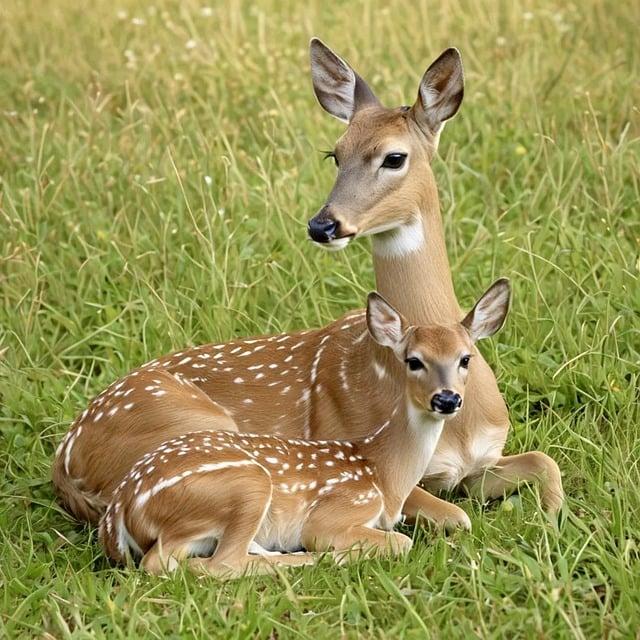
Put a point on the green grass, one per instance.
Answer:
(117, 248)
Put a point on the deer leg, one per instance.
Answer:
(437, 511)
(509, 471)
(164, 558)
(340, 524)
(231, 558)
(230, 562)
(220, 510)
(289, 559)
(352, 543)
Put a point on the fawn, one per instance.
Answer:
(221, 495)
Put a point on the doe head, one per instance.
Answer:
(437, 358)
(383, 158)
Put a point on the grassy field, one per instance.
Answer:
(158, 164)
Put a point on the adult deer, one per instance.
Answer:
(313, 384)
(385, 188)
(221, 494)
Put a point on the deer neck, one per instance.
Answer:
(401, 448)
(411, 264)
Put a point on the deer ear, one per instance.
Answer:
(441, 91)
(490, 312)
(339, 89)
(386, 325)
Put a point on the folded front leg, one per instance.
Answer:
(345, 524)
(437, 511)
(509, 471)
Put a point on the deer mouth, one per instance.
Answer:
(336, 244)
(446, 414)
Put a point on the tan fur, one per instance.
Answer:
(105, 445)
(324, 384)
(228, 490)
(419, 283)
(400, 209)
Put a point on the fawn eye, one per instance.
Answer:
(331, 154)
(394, 161)
(464, 362)
(414, 364)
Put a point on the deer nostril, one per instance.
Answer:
(322, 229)
(446, 401)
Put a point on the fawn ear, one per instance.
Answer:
(440, 92)
(490, 312)
(339, 89)
(386, 326)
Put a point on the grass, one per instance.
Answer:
(158, 164)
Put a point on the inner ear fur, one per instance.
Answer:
(490, 312)
(340, 91)
(440, 92)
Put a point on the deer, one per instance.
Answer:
(385, 188)
(224, 501)
(309, 384)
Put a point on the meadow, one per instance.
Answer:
(158, 164)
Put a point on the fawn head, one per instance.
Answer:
(437, 358)
(384, 156)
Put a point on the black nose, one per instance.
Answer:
(322, 228)
(446, 401)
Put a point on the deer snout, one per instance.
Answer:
(446, 401)
(323, 227)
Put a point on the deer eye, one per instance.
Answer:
(414, 364)
(394, 161)
(331, 154)
(464, 362)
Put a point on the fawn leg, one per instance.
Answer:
(232, 559)
(533, 466)
(358, 540)
(289, 559)
(219, 505)
(275, 557)
(230, 562)
(163, 558)
(339, 523)
(435, 510)
(247, 508)
(246, 504)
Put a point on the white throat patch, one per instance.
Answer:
(399, 241)
(428, 431)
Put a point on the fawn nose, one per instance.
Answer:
(446, 401)
(322, 228)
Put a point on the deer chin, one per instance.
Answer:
(336, 244)
(440, 415)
